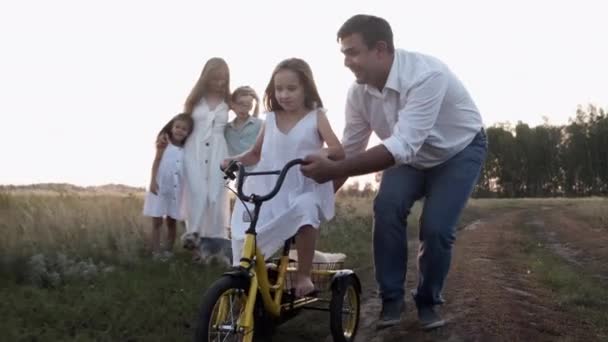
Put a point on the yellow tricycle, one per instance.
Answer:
(247, 302)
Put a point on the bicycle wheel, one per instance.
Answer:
(344, 310)
(222, 306)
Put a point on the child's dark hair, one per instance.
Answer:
(185, 117)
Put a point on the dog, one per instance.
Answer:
(190, 240)
(208, 250)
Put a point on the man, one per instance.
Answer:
(433, 148)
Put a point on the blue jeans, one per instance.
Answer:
(445, 189)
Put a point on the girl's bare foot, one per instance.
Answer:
(304, 286)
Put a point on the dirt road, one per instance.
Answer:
(492, 292)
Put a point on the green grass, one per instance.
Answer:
(575, 289)
(141, 300)
(145, 302)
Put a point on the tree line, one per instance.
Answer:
(548, 160)
(542, 161)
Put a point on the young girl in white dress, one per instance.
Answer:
(165, 193)
(295, 127)
(205, 201)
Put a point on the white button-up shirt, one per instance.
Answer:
(423, 116)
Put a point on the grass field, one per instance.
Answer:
(75, 266)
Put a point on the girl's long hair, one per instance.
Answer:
(201, 87)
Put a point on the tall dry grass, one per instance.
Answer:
(111, 226)
(101, 226)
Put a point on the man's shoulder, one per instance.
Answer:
(415, 56)
(356, 90)
(416, 66)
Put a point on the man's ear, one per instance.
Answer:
(381, 47)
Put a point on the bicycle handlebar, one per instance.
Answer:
(234, 166)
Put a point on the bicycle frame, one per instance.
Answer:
(231, 306)
(252, 262)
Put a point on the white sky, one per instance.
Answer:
(85, 85)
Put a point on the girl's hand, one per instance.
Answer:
(154, 187)
(225, 163)
(162, 141)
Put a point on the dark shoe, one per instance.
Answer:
(429, 318)
(391, 313)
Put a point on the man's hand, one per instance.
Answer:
(320, 168)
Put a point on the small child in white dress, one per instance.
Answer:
(294, 128)
(165, 193)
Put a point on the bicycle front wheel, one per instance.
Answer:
(222, 306)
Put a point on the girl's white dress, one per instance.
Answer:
(169, 178)
(300, 201)
(205, 201)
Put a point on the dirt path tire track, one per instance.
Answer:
(490, 293)
(577, 241)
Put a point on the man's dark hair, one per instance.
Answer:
(372, 29)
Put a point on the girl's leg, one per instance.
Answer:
(305, 244)
(171, 232)
(157, 222)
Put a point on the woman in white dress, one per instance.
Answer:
(294, 128)
(205, 201)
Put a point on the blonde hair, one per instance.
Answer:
(247, 91)
(200, 89)
(312, 100)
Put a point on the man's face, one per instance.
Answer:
(361, 60)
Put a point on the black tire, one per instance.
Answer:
(344, 310)
(235, 290)
(263, 324)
